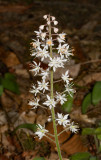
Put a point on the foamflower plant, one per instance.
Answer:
(47, 42)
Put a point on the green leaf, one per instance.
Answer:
(86, 103)
(99, 148)
(96, 93)
(81, 156)
(67, 106)
(29, 126)
(99, 136)
(39, 158)
(88, 131)
(9, 76)
(1, 90)
(9, 83)
(98, 130)
(93, 158)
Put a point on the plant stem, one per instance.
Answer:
(52, 96)
(63, 131)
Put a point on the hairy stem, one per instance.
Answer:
(52, 96)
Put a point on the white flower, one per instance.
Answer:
(49, 42)
(53, 18)
(50, 102)
(69, 89)
(38, 33)
(56, 62)
(66, 78)
(40, 131)
(42, 53)
(34, 103)
(45, 16)
(36, 68)
(55, 30)
(60, 40)
(34, 90)
(36, 43)
(62, 120)
(41, 27)
(43, 85)
(64, 50)
(73, 127)
(62, 36)
(44, 74)
(55, 22)
(43, 35)
(61, 98)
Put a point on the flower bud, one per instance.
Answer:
(53, 18)
(41, 27)
(45, 16)
(56, 30)
(55, 22)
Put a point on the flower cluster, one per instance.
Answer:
(62, 120)
(47, 38)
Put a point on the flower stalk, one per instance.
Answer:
(42, 49)
(52, 96)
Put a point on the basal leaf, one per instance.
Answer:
(29, 126)
(93, 158)
(96, 94)
(67, 106)
(81, 156)
(86, 103)
(1, 90)
(9, 76)
(10, 84)
(99, 136)
(98, 130)
(88, 131)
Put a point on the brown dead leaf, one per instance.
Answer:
(54, 156)
(9, 58)
(41, 119)
(2, 157)
(8, 103)
(69, 145)
(90, 78)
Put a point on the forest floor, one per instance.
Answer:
(18, 21)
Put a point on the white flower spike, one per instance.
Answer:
(51, 48)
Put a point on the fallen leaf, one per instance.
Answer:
(69, 145)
